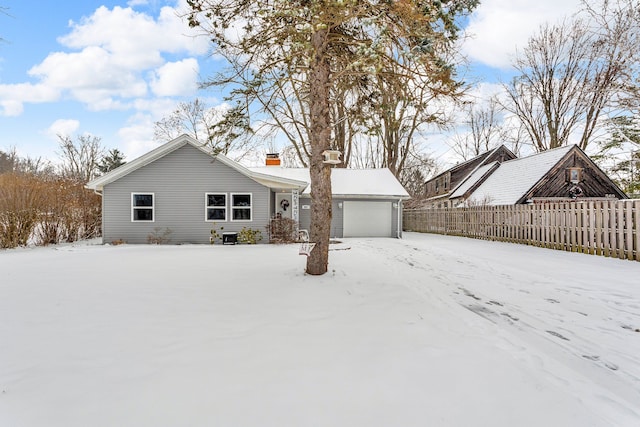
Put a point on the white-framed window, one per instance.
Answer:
(241, 207)
(574, 175)
(142, 207)
(215, 207)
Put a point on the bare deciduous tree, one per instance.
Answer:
(223, 129)
(80, 159)
(569, 74)
(11, 162)
(617, 23)
(483, 129)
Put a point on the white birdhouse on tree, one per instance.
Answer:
(331, 157)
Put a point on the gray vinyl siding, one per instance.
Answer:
(304, 215)
(337, 219)
(394, 217)
(179, 182)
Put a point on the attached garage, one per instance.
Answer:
(367, 219)
(365, 202)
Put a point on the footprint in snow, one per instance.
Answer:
(480, 310)
(469, 294)
(611, 366)
(555, 334)
(594, 358)
(515, 319)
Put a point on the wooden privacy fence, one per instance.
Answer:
(604, 227)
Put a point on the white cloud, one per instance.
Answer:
(64, 127)
(109, 57)
(176, 78)
(11, 107)
(497, 27)
(91, 76)
(137, 137)
(135, 38)
(483, 92)
(13, 97)
(156, 107)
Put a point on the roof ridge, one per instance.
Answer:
(564, 147)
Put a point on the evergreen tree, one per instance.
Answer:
(113, 159)
(322, 45)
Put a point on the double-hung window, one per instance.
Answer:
(142, 207)
(241, 207)
(216, 207)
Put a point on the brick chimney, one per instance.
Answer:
(273, 159)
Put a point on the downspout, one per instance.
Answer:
(398, 231)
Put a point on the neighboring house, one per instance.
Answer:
(564, 173)
(439, 188)
(181, 187)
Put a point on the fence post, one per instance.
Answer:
(629, 229)
(620, 224)
(606, 226)
(580, 226)
(636, 214)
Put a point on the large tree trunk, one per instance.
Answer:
(320, 140)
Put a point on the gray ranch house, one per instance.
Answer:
(182, 187)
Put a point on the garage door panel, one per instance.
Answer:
(367, 219)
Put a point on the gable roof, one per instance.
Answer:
(514, 178)
(492, 156)
(370, 183)
(165, 149)
(475, 178)
(479, 160)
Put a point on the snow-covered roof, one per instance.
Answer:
(514, 178)
(346, 182)
(161, 151)
(473, 178)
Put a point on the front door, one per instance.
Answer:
(284, 205)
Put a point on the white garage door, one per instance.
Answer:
(367, 219)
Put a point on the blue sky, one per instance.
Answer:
(111, 68)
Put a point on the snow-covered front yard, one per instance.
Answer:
(424, 331)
